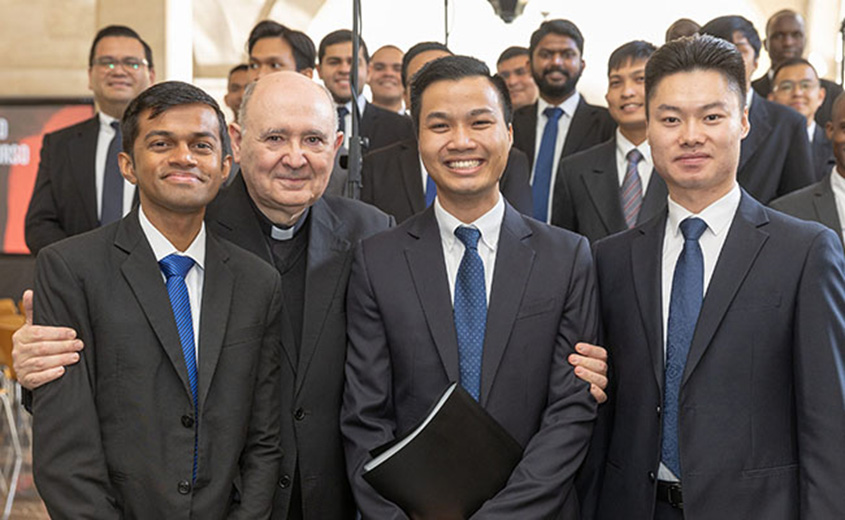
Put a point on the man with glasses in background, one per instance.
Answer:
(79, 186)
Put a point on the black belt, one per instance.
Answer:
(670, 492)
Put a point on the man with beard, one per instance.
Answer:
(560, 123)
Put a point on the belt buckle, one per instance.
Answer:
(675, 496)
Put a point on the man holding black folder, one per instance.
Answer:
(471, 291)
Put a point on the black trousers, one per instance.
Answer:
(664, 511)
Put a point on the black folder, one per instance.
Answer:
(446, 467)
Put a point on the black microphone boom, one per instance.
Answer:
(357, 144)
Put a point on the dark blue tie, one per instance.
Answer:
(175, 268)
(543, 167)
(341, 118)
(112, 201)
(430, 191)
(684, 306)
(470, 310)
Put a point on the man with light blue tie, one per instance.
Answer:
(560, 123)
(725, 324)
(470, 290)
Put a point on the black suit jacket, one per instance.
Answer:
(587, 199)
(383, 127)
(761, 400)
(64, 200)
(393, 181)
(823, 159)
(775, 157)
(590, 125)
(403, 353)
(815, 202)
(114, 437)
(310, 402)
(764, 87)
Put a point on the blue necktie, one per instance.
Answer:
(341, 118)
(112, 201)
(544, 164)
(430, 191)
(684, 307)
(175, 268)
(631, 191)
(470, 310)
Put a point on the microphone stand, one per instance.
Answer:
(357, 143)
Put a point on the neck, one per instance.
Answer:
(283, 218)
(555, 101)
(636, 134)
(394, 105)
(112, 109)
(697, 201)
(840, 169)
(468, 209)
(179, 228)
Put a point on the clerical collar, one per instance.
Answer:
(286, 233)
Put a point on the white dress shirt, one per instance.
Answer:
(489, 224)
(104, 139)
(718, 216)
(644, 167)
(424, 173)
(347, 120)
(811, 130)
(162, 247)
(838, 185)
(569, 106)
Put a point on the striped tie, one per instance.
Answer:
(175, 268)
(631, 193)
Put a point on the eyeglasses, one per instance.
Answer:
(789, 86)
(107, 62)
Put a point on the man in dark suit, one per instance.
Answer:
(725, 323)
(79, 186)
(171, 410)
(785, 38)
(611, 187)
(775, 157)
(560, 119)
(511, 354)
(797, 86)
(821, 202)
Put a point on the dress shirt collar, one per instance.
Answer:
(837, 183)
(718, 215)
(162, 247)
(106, 121)
(568, 106)
(624, 146)
(489, 224)
(362, 104)
(286, 233)
(811, 130)
(749, 97)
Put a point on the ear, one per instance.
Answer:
(746, 123)
(828, 130)
(309, 72)
(127, 167)
(235, 137)
(227, 167)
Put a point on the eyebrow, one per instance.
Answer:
(165, 133)
(285, 131)
(472, 113)
(708, 106)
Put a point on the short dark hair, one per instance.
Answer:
(780, 14)
(791, 62)
(243, 67)
(160, 98)
(682, 27)
(688, 54)
(415, 51)
(304, 52)
(454, 68)
(340, 36)
(512, 52)
(120, 31)
(561, 28)
(724, 27)
(630, 52)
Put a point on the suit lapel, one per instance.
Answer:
(514, 260)
(742, 245)
(761, 127)
(655, 198)
(525, 130)
(328, 253)
(233, 218)
(409, 166)
(824, 203)
(646, 272)
(428, 271)
(602, 184)
(83, 153)
(579, 127)
(217, 290)
(144, 277)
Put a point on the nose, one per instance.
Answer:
(461, 138)
(293, 155)
(182, 155)
(690, 134)
(557, 58)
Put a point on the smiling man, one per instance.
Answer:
(560, 123)
(725, 325)
(385, 78)
(471, 291)
(613, 187)
(514, 66)
(79, 186)
(172, 408)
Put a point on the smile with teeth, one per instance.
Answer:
(464, 164)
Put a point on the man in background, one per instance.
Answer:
(385, 78)
(514, 66)
(235, 85)
(272, 47)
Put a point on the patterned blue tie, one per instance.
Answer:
(684, 306)
(342, 111)
(631, 191)
(175, 268)
(111, 208)
(430, 191)
(470, 310)
(544, 164)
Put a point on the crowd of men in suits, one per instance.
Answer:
(608, 283)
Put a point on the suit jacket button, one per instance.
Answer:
(284, 482)
(658, 410)
(187, 421)
(184, 487)
(651, 476)
(299, 414)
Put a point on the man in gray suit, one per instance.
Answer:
(518, 311)
(170, 412)
(725, 323)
